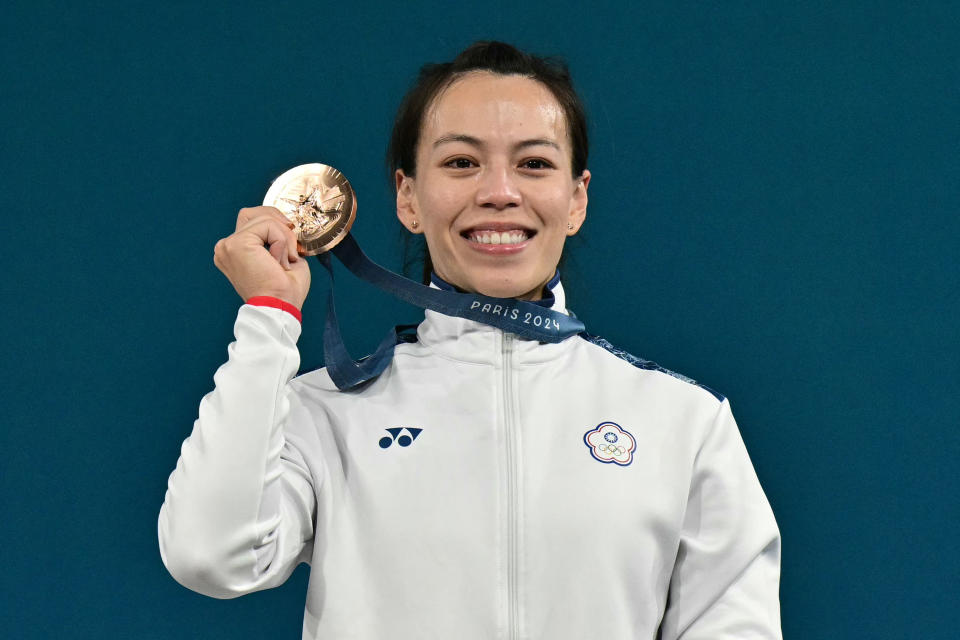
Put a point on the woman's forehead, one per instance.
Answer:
(482, 104)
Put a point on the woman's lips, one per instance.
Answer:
(491, 236)
(496, 242)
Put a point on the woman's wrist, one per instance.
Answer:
(276, 303)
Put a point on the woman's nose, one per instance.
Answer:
(498, 189)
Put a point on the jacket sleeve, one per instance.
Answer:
(239, 509)
(726, 579)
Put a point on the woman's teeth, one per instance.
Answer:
(493, 237)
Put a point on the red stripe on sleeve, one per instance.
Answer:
(276, 303)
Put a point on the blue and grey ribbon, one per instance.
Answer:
(525, 319)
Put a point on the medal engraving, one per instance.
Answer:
(320, 203)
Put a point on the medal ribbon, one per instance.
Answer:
(520, 317)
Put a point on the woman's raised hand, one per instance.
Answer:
(260, 257)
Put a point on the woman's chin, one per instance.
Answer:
(516, 290)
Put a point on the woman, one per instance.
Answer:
(484, 485)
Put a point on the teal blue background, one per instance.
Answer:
(774, 212)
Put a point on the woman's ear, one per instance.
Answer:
(578, 204)
(407, 202)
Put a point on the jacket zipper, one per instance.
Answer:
(513, 606)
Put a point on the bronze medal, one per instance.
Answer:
(320, 203)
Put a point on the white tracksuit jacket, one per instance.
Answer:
(484, 486)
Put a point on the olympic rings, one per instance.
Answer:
(614, 450)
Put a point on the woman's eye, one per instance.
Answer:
(535, 163)
(460, 163)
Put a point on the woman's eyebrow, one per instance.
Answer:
(476, 142)
(537, 142)
(457, 137)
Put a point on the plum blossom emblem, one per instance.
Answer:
(608, 442)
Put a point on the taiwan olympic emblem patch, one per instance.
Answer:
(609, 443)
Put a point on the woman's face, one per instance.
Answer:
(494, 193)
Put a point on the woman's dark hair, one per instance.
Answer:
(495, 57)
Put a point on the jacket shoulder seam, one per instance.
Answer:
(646, 365)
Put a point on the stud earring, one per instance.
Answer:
(414, 224)
(570, 226)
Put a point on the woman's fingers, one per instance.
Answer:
(252, 214)
(279, 248)
(272, 227)
(247, 214)
(258, 258)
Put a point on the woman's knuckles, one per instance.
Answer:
(260, 257)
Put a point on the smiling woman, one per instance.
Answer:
(549, 79)
(494, 191)
(486, 484)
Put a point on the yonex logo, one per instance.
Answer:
(402, 440)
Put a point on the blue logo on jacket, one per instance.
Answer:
(402, 440)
